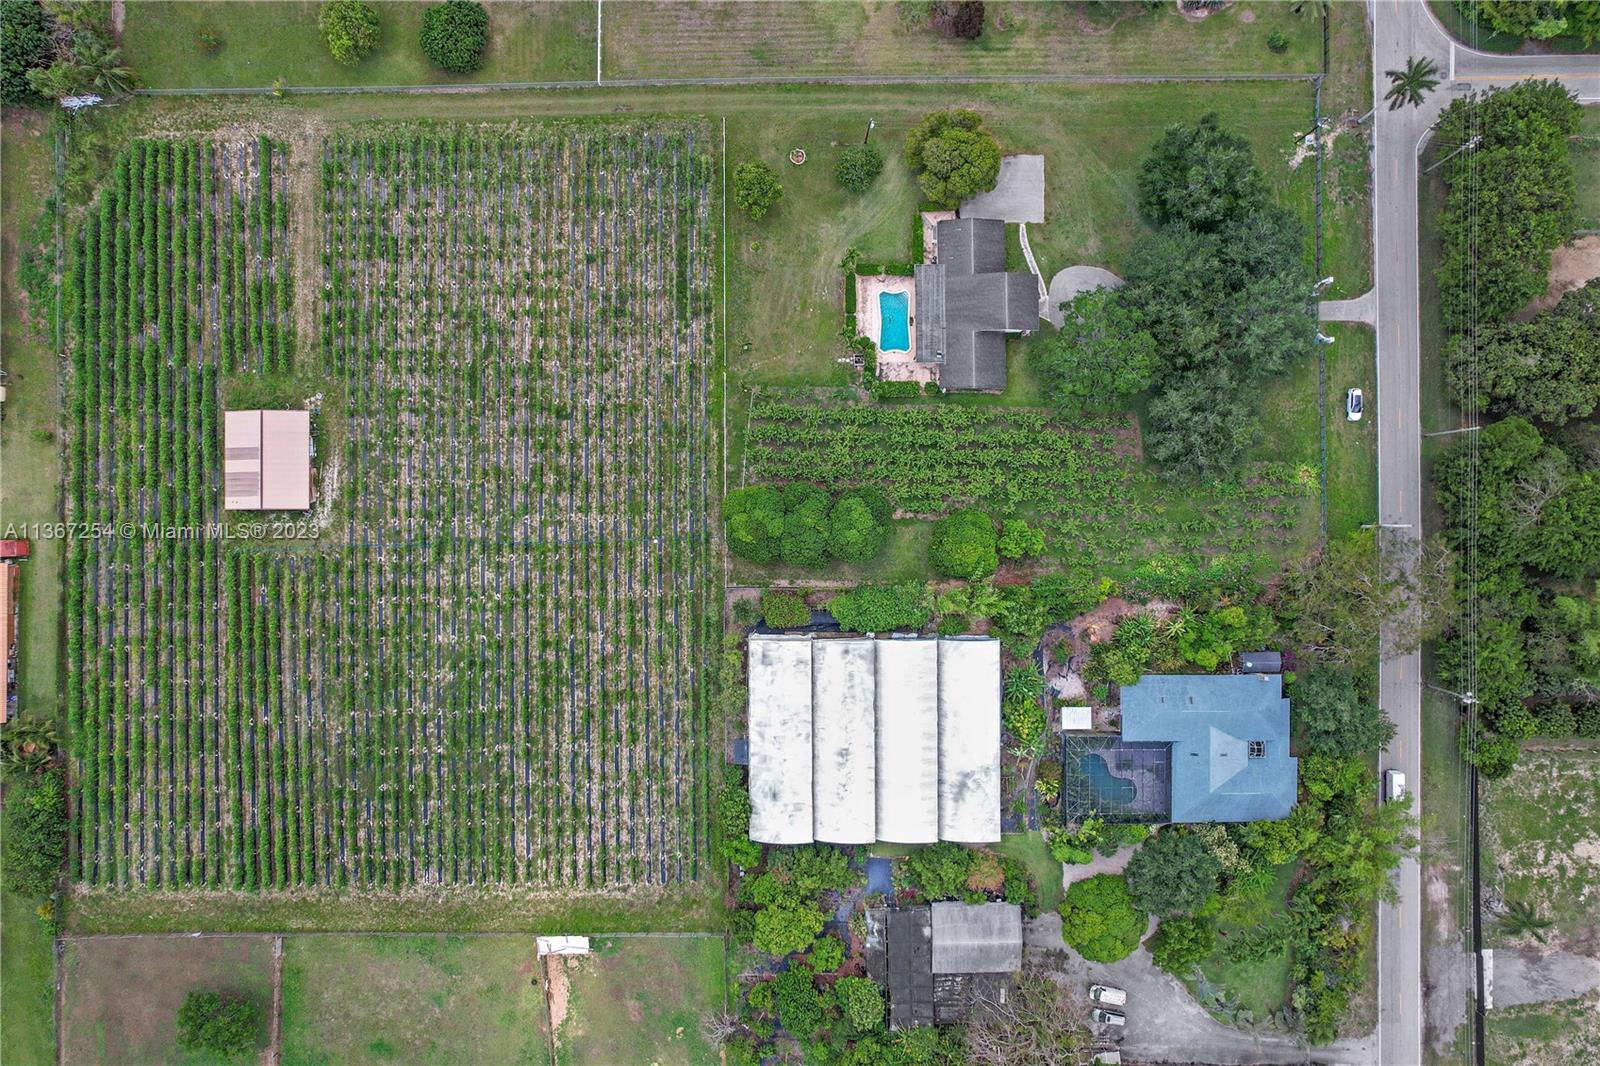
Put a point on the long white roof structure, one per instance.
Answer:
(969, 740)
(780, 740)
(908, 741)
(854, 740)
(844, 767)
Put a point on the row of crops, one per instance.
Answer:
(490, 670)
(1080, 477)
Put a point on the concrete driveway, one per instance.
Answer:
(1165, 1024)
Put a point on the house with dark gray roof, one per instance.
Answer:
(938, 962)
(967, 301)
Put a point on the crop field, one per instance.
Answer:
(484, 666)
(1076, 476)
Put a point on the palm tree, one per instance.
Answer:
(1408, 85)
(101, 66)
(30, 745)
(1522, 917)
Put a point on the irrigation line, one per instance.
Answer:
(729, 81)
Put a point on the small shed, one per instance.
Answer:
(977, 937)
(1077, 718)
(1260, 662)
(13, 549)
(266, 460)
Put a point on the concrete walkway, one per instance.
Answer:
(1102, 864)
(1165, 1024)
(1362, 308)
(1033, 264)
(1513, 977)
(1070, 282)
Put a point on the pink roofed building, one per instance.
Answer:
(266, 461)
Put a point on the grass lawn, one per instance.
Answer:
(1260, 987)
(413, 999)
(122, 995)
(1586, 161)
(545, 41)
(1539, 1033)
(763, 37)
(29, 478)
(1540, 833)
(639, 1000)
(1030, 849)
(1352, 446)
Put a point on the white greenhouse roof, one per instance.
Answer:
(855, 740)
(969, 740)
(844, 764)
(780, 739)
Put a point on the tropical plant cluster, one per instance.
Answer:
(802, 525)
(1073, 475)
(946, 871)
(496, 671)
(454, 35)
(1540, 19)
(784, 610)
(1509, 201)
(1531, 505)
(51, 51)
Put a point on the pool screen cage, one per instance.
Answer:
(1147, 767)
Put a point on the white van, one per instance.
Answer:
(1108, 996)
(1108, 1017)
(1394, 786)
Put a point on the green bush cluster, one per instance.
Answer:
(454, 35)
(947, 871)
(1099, 919)
(965, 545)
(802, 526)
(883, 608)
(858, 167)
(1182, 942)
(756, 189)
(350, 27)
(953, 156)
(784, 610)
(1021, 711)
(210, 1023)
(36, 833)
(733, 820)
(24, 46)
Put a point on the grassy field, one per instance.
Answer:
(263, 41)
(637, 1000)
(1586, 161)
(29, 484)
(884, 37)
(415, 999)
(1540, 832)
(1352, 446)
(122, 995)
(1538, 1034)
(1259, 987)
(1030, 849)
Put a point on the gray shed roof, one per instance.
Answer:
(1261, 662)
(977, 937)
(967, 301)
(910, 975)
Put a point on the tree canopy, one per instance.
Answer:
(953, 156)
(454, 35)
(965, 544)
(350, 27)
(1333, 718)
(1175, 873)
(1099, 919)
(1546, 369)
(858, 167)
(24, 45)
(1100, 358)
(1200, 175)
(756, 189)
(801, 525)
(883, 608)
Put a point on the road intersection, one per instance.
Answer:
(1402, 30)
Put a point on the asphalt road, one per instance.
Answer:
(1402, 30)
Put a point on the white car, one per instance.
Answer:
(1352, 405)
(1394, 786)
(1108, 1017)
(1107, 996)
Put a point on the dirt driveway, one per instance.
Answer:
(1165, 1024)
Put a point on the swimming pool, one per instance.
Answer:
(1109, 790)
(894, 325)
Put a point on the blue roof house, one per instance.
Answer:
(1230, 743)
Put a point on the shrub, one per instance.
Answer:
(858, 167)
(1018, 540)
(782, 928)
(827, 954)
(756, 189)
(953, 156)
(799, 1006)
(861, 1001)
(226, 1027)
(350, 27)
(805, 525)
(753, 517)
(858, 525)
(1099, 920)
(1182, 943)
(964, 545)
(883, 608)
(36, 834)
(733, 820)
(1278, 41)
(784, 610)
(454, 35)
(938, 871)
(1173, 874)
(957, 18)
(24, 45)
(1024, 720)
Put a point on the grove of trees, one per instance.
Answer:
(1546, 369)
(802, 526)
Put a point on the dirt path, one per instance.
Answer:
(555, 993)
(275, 1040)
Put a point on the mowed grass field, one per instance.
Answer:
(1541, 843)
(1586, 161)
(637, 1000)
(823, 37)
(270, 39)
(122, 995)
(413, 999)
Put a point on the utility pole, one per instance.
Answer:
(872, 124)
(1473, 143)
(1447, 432)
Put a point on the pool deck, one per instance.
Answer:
(895, 365)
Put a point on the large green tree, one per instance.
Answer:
(1101, 357)
(224, 1026)
(1332, 717)
(965, 545)
(1546, 369)
(350, 27)
(1099, 919)
(953, 156)
(1174, 873)
(24, 45)
(1201, 175)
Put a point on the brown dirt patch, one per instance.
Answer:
(1572, 266)
(558, 992)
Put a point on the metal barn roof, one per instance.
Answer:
(844, 766)
(977, 937)
(780, 740)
